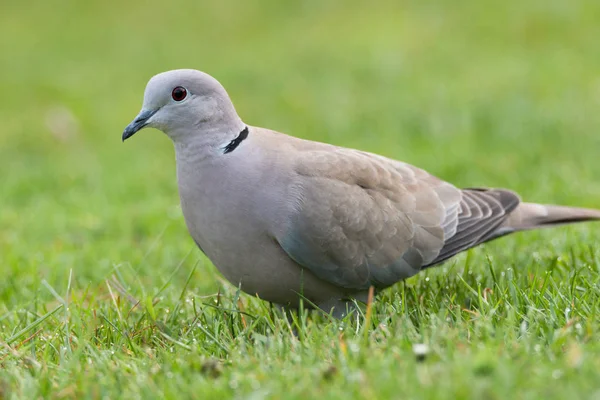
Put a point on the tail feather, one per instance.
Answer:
(533, 216)
(492, 213)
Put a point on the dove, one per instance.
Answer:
(291, 220)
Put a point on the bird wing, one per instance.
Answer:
(360, 220)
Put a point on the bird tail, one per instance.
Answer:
(533, 216)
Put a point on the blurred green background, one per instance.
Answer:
(480, 93)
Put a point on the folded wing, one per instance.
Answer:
(363, 220)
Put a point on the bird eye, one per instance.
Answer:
(179, 93)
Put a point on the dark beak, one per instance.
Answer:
(138, 123)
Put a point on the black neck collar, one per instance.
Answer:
(236, 142)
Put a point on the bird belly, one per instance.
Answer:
(253, 261)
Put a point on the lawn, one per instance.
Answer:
(104, 295)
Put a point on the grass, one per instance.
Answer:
(103, 294)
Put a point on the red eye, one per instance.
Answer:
(179, 93)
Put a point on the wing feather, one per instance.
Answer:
(365, 220)
(482, 212)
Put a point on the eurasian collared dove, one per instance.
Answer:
(286, 218)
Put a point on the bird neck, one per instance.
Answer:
(211, 141)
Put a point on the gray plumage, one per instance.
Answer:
(282, 216)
